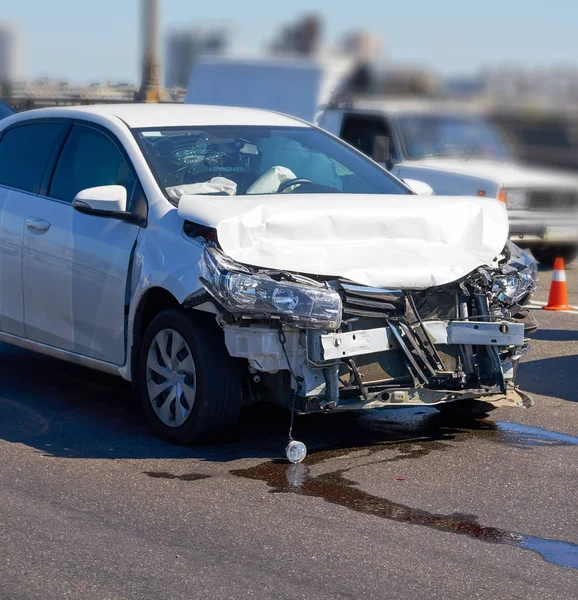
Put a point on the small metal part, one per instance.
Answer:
(296, 452)
(353, 366)
(337, 342)
(327, 404)
(407, 353)
(256, 378)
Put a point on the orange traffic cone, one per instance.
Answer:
(558, 298)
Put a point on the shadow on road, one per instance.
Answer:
(68, 411)
(72, 412)
(554, 376)
(556, 335)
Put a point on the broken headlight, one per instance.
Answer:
(241, 291)
(518, 277)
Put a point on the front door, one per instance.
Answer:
(76, 266)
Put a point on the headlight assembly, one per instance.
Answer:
(518, 278)
(516, 199)
(242, 292)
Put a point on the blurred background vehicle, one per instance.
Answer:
(543, 138)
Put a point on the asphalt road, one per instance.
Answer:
(397, 504)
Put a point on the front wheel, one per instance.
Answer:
(546, 255)
(465, 409)
(191, 388)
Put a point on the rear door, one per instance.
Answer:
(25, 153)
(76, 266)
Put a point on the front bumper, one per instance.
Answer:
(316, 360)
(335, 346)
(530, 227)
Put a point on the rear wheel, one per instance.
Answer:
(191, 388)
(465, 409)
(546, 255)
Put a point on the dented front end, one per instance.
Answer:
(329, 344)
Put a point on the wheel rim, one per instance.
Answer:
(171, 378)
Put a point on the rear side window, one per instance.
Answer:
(24, 154)
(89, 159)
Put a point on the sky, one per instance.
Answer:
(84, 40)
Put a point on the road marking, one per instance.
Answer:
(538, 304)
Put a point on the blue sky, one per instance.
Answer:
(84, 40)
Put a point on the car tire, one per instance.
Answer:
(465, 409)
(546, 255)
(191, 389)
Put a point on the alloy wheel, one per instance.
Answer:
(171, 378)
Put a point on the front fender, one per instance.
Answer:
(164, 258)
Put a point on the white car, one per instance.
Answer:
(217, 256)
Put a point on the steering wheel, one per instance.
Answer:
(291, 182)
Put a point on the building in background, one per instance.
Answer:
(11, 55)
(185, 46)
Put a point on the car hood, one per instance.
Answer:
(376, 240)
(506, 174)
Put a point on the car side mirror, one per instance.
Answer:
(381, 153)
(106, 201)
(421, 188)
(105, 198)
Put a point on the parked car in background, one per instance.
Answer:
(541, 138)
(218, 256)
(460, 151)
(454, 149)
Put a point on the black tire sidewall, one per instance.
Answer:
(211, 361)
(546, 255)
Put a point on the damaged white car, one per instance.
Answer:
(218, 256)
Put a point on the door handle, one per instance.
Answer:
(37, 224)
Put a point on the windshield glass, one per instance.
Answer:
(440, 135)
(258, 160)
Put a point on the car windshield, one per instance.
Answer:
(441, 135)
(258, 160)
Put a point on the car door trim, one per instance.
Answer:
(73, 357)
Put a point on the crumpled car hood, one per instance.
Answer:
(390, 241)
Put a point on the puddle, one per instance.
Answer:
(185, 477)
(525, 435)
(408, 438)
(336, 488)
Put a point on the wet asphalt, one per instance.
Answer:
(392, 504)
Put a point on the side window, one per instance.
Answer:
(89, 159)
(24, 154)
(360, 132)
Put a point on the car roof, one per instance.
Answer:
(423, 106)
(169, 115)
